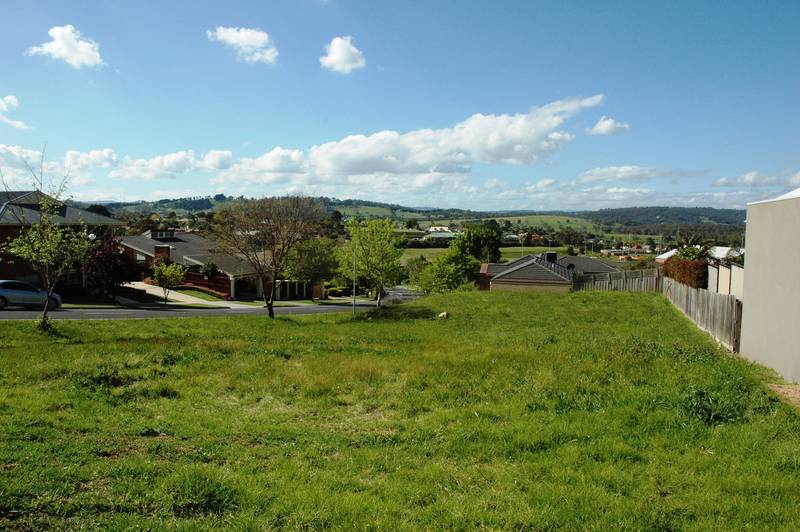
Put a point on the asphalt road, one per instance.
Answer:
(134, 313)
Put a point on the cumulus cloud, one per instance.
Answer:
(276, 165)
(68, 45)
(251, 45)
(7, 103)
(607, 126)
(217, 160)
(166, 166)
(749, 179)
(342, 56)
(76, 160)
(794, 181)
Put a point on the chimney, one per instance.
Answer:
(551, 256)
(162, 252)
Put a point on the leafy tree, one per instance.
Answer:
(412, 223)
(693, 247)
(313, 260)
(264, 231)
(106, 268)
(448, 271)
(51, 249)
(415, 266)
(482, 242)
(168, 276)
(377, 257)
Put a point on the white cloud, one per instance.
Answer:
(75, 160)
(251, 45)
(166, 166)
(539, 186)
(276, 165)
(7, 103)
(749, 179)
(67, 45)
(171, 165)
(342, 56)
(217, 160)
(619, 173)
(493, 139)
(607, 126)
(794, 181)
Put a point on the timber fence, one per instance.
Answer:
(718, 314)
(629, 281)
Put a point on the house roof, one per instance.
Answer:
(189, 249)
(493, 268)
(535, 269)
(716, 252)
(23, 207)
(583, 264)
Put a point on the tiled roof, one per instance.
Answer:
(586, 264)
(189, 249)
(23, 207)
(493, 268)
(535, 269)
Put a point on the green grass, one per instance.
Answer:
(199, 294)
(591, 411)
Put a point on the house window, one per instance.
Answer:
(140, 257)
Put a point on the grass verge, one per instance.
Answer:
(583, 411)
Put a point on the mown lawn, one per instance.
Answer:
(601, 411)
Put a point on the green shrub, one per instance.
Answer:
(200, 490)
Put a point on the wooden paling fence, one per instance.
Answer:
(630, 281)
(718, 314)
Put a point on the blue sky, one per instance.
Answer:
(485, 105)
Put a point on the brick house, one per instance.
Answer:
(21, 208)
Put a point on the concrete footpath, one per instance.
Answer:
(185, 299)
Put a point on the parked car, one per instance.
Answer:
(17, 293)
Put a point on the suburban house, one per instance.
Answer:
(532, 272)
(23, 208)
(197, 254)
(584, 265)
(716, 252)
(771, 313)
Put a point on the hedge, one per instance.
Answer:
(692, 273)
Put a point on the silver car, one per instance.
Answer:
(17, 293)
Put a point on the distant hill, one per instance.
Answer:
(644, 219)
(668, 215)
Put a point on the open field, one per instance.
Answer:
(597, 411)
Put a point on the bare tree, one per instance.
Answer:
(264, 231)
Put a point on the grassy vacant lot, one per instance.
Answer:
(600, 411)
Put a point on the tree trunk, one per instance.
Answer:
(271, 301)
(380, 296)
(269, 297)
